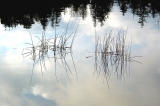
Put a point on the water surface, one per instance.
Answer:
(25, 83)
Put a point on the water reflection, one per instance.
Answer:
(141, 88)
(99, 11)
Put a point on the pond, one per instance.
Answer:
(80, 53)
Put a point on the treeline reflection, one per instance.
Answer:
(28, 13)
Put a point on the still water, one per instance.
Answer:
(36, 71)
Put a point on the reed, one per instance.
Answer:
(112, 54)
(57, 47)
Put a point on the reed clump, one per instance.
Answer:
(56, 47)
(112, 54)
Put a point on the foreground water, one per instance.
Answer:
(80, 85)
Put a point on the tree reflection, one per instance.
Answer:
(44, 12)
